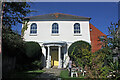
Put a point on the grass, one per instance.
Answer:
(65, 76)
(35, 71)
(25, 74)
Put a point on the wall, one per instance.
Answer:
(94, 37)
(66, 31)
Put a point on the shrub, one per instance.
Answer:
(33, 50)
(32, 53)
(79, 45)
(80, 53)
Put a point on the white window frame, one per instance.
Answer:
(35, 29)
(55, 29)
(78, 30)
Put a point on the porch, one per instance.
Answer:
(54, 54)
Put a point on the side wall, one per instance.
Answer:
(94, 35)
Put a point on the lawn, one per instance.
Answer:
(25, 74)
(65, 76)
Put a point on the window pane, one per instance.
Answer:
(33, 28)
(55, 28)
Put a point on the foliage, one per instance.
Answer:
(80, 53)
(25, 26)
(33, 49)
(14, 12)
(112, 40)
(37, 64)
(78, 44)
(12, 43)
(97, 68)
(113, 46)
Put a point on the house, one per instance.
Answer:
(56, 32)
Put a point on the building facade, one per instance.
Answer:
(55, 33)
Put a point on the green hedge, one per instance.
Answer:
(79, 45)
(33, 49)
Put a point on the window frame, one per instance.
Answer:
(77, 29)
(33, 29)
(55, 29)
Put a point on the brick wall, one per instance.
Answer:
(94, 34)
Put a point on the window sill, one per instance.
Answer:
(77, 34)
(54, 34)
(33, 34)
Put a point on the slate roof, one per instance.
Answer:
(57, 16)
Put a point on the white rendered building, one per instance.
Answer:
(55, 33)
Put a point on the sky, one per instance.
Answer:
(101, 13)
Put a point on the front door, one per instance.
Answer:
(54, 57)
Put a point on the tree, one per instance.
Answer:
(112, 46)
(12, 43)
(14, 12)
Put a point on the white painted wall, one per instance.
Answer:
(66, 31)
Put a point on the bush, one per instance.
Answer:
(32, 53)
(79, 45)
(33, 50)
(37, 64)
(80, 53)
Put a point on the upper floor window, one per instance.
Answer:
(33, 28)
(76, 28)
(55, 28)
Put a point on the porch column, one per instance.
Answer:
(59, 49)
(64, 57)
(44, 53)
(48, 58)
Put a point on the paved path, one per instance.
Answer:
(50, 73)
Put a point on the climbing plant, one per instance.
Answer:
(25, 26)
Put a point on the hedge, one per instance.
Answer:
(79, 44)
(33, 49)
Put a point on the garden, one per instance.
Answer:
(23, 59)
(103, 63)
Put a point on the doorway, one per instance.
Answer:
(54, 56)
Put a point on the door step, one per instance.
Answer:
(55, 67)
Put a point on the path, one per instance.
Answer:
(50, 73)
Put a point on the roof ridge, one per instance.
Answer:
(70, 15)
(57, 14)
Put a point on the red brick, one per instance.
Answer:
(94, 37)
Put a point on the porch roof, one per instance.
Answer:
(55, 43)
